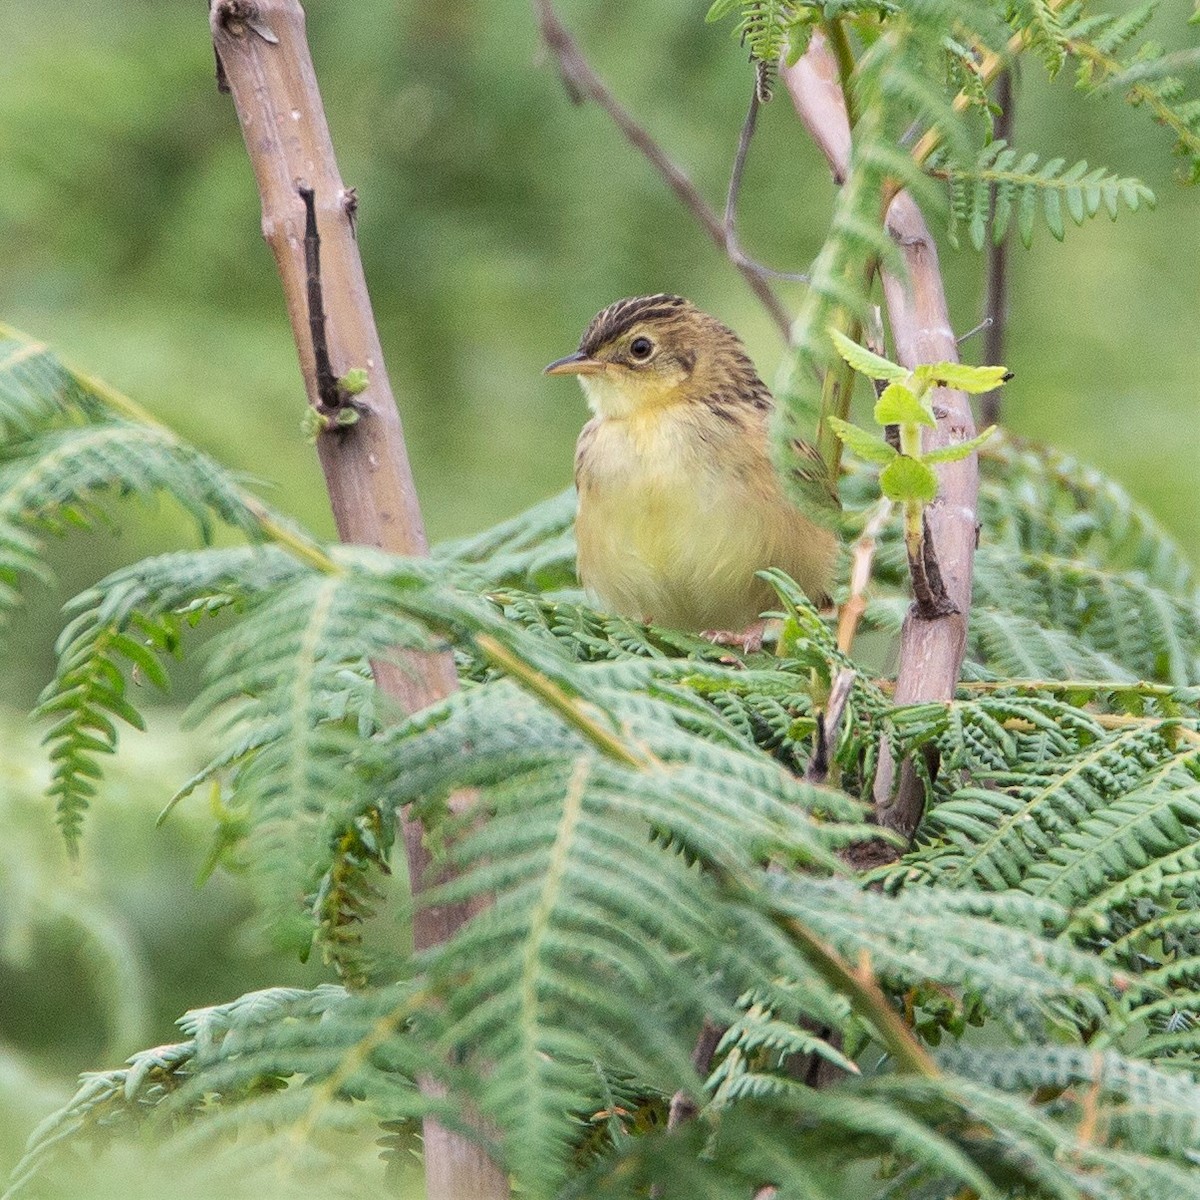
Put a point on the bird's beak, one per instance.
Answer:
(575, 364)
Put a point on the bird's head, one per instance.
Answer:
(652, 351)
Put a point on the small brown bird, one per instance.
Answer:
(679, 502)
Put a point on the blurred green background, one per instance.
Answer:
(495, 219)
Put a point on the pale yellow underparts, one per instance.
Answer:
(680, 506)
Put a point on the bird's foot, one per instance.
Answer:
(748, 641)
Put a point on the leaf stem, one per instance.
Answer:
(571, 710)
(273, 527)
(865, 996)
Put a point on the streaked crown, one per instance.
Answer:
(646, 351)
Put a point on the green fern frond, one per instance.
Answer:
(1111, 33)
(245, 1051)
(282, 677)
(769, 29)
(534, 551)
(55, 475)
(995, 835)
(1072, 577)
(972, 1124)
(346, 896)
(1091, 605)
(1044, 502)
(566, 842)
(131, 621)
(73, 440)
(36, 389)
(1151, 1108)
(1042, 24)
(1097, 811)
(1014, 643)
(1101, 45)
(52, 482)
(999, 186)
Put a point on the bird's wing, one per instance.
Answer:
(810, 477)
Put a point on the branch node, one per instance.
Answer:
(929, 589)
(334, 402)
(349, 201)
(234, 15)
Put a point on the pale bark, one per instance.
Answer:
(931, 650)
(264, 61)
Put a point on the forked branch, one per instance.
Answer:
(582, 82)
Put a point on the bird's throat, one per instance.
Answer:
(618, 397)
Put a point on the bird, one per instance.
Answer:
(679, 503)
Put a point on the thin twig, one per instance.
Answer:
(732, 246)
(829, 724)
(862, 559)
(996, 312)
(986, 323)
(683, 1104)
(581, 82)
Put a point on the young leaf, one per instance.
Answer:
(354, 381)
(721, 9)
(906, 478)
(961, 377)
(865, 445)
(959, 449)
(898, 406)
(863, 361)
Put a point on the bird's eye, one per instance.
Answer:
(641, 348)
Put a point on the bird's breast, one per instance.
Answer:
(663, 527)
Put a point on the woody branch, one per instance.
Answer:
(931, 647)
(264, 61)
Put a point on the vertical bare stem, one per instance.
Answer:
(931, 650)
(263, 58)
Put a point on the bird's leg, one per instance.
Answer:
(748, 641)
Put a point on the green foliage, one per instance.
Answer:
(627, 811)
(70, 443)
(905, 406)
(1001, 185)
(1088, 795)
(919, 69)
(770, 30)
(653, 858)
(1064, 557)
(1146, 76)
